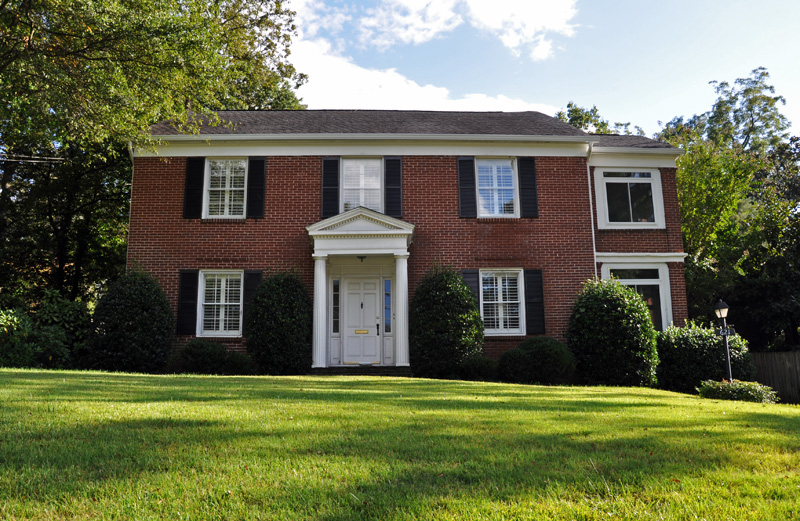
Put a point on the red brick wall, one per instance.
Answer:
(559, 242)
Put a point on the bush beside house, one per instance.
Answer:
(445, 326)
(611, 335)
(539, 359)
(692, 354)
(278, 325)
(131, 327)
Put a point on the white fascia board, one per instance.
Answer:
(634, 157)
(368, 147)
(371, 137)
(630, 258)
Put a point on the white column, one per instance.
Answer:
(401, 315)
(320, 343)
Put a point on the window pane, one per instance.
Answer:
(361, 184)
(496, 187)
(652, 297)
(387, 306)
(642, 203)
(490, 316)
(619, 209)
(489, 289)
(636, 274)
(335, 320)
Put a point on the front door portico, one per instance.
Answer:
(360, 289)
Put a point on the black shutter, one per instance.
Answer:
(528, 196)
(534, 302)
(393, 187)
(330, 187)
(467, 203)
(473, 283)
(193, 190)
(187, 302)
(251, 281)
(255, 187)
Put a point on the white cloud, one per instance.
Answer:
(522, 25)
(313, 16)
(335, 82)
(408, 22)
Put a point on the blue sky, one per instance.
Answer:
(639, 61)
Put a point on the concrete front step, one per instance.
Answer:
(363, 370)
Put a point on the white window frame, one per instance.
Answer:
(520, 274)
(515, 178)
(207, 187)
(201, 286)
(662, 281)
(600, 183)
(381, 190)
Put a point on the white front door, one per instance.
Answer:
(362, 322)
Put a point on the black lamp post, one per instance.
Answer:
(721, 310)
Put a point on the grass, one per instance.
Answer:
(86, 445)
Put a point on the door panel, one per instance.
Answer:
(362, 338)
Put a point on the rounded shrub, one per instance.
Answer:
(70, 317)
(200, 356)
(16, 348)
(279, 325)
(238, 363)
(537, 359)
(736, 390)
(688, 355)
(478, 368)
(611, 335)
(445, 326)
(131, 326)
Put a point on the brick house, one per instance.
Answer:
(363, 203)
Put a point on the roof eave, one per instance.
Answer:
(371, 137)
(675, 152)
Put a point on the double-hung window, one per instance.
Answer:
(225, 188)
(651, 281)
(497, 188)
(502, 302)
(629, 198)
(220, 302)
(362, 181)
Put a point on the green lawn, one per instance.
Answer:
(83, 445)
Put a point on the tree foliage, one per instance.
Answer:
(101, 72)
(82, 79)
(591, 121)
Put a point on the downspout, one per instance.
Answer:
(591, 207)
(130, 200)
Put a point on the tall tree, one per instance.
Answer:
(591, 121)
(80, 80)
(739, 192)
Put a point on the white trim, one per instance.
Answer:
(632, 158)
(371, 137)
(207, 187)
(515, 188)
(600, 183)
(520, 292)
(663, 282)
(639, 257)
(201, 286)
(200, 147)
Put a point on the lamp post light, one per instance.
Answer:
(721, 310)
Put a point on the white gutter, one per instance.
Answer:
(373, 137)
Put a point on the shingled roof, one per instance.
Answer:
(617, 141)
(401, 122)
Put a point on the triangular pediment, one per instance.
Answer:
(360, 221)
